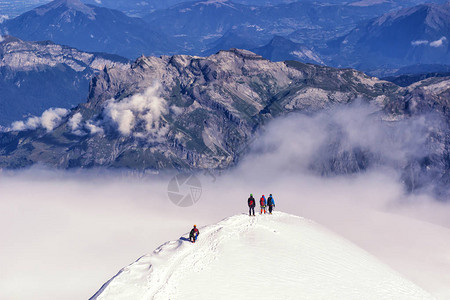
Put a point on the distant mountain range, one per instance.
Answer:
(35, 76)
(198, 24)
(242, 37)
(13, 8)
(188, 112)
(195, 24)
(394, 43)
(367, 35)
(417, 35)
(134, 8)
(89, 28)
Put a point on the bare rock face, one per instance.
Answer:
(20, 55)
(188, 112)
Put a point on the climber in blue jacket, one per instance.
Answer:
(270, 203)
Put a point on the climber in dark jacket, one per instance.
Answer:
(270, 203)
(251, 205)
(194, 234)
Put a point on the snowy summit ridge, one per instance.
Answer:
(277, 256)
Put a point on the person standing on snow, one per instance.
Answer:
(263, 203)
(251, 205)
(194, 234)
(270, 203)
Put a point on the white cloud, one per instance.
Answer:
(140, 115)
(93, 128)
(74, 121)
(176, 110)
(49, 119)
(52, 117)
(31, 123)
(419, 42)
(299, 143)
(436, 43)
(75, 125)
(439, 42)
(124, 118)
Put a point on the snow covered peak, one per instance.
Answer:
(277, 256)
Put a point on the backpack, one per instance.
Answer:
(193, 232)
(270, 201)
(250, 202)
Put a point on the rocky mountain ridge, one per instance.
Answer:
(21, 55)
(188, 112)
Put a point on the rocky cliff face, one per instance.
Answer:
(188, 112)
(38, 75)
(20, 55)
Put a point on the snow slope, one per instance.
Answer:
(277, 256)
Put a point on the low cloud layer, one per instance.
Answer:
(68, 233)
(347, 140)
(49, 119)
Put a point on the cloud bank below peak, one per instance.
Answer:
(49, 120)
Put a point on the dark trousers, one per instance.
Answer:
(251, 208)
(270, 209)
